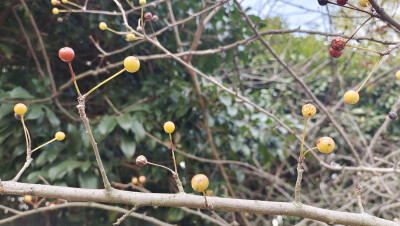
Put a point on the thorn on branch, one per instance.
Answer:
(121, 219)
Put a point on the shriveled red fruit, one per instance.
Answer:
(334, 53)
(338, 43)
(148, 16)
(66, 54)
(322, 2)
(341, 2)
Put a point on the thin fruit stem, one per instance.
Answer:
(357, 47)
(141, 18)
(154, 164)
(357, 9)
(304, 136)
(304, 155)
(71, 70)
(173, 154)
(103, 82)
(74, 4)
(25, 131)
(373, 69)
(112, 30)
(205, 198)
(358, 29)
(48, 142)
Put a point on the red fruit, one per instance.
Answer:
(338, 43)
(148, 16)
(334, 53)
(341, 2)
(66, 54)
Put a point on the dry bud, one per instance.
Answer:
(141, 161)
(392, 115)
(17, 116)
(155, 18)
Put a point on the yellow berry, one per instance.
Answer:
(64, 1)
(130, 37)
(131, 64)
(200, 182)
(20, 108)
(308, 110)
(364, 3)
(60, 136)
(325, 145)
(54, 2)
(55, 11)
(135, 180)
(169, 127)
(142, 2)
(102, 26)
(142, 179)
(28, 198)
(351, 97)
(398, 75)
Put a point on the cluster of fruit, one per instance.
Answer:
(137, 181)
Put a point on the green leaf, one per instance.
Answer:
(128, 147)
(58, 171)
(19, 92)
(107, 125)
(5, 109)
(232, 111)
(125, 122)
(55, 122)
(88, 180)
(34, 112)
(34, 176)
(175, 215)
(6, 50)
(138, 130)
(225, 99)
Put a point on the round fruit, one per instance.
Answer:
(142, 2)
(64, 1)
(308, 110)
(133, 187)
(66, 54)
(102, 26)
(200, 182)
(55, 11)
(131, 64)
(325, 145)
(20, 108)
(141, 160)
(322, 2)
(351, 97)
(148, 16)
(398, 75)
(392, 115)
(135, 180)
(341, 2)
(28, 198)
(142, 179)
(334, 53)
(130, 37)
(364, 3)
(54, 2)
(338, 43)
(60, 136)
(155, 18)
(169, 127)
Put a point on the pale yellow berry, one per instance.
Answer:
(130, 37)
(20, 108)
(134, 180)
(308, 110)
(351, 97)
(60, 136)
(28, 198)
(142, 2)
(325, 145)
(398, 75)
(131, 64)
(55, 11)
(54, 2)
(102, 26)
(200, 182)
(169, 127)
(64, 1)
(364, 3)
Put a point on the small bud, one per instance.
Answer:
(139, 29)
(148, 16)
(17, 116)
(141, 161)
(155, 18)
(392, 115)
(59, 19)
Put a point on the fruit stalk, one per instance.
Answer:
(73, 77)
(304, 155)
(371, 50)
(173, 153)
(103, 82)
(304, 136)
(358, 29)
(48, 142)
(373, 69)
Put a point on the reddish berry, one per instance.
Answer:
(338, 43)
(334, 53)
(341, 2)
(322, 2)
(142, 179)
(148, 16)
(66, 54)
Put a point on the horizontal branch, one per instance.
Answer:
(192, 201)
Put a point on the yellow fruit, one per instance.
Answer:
(28, 198)
(363, 3)
(131, 64)
(398, 75)
(325, 145)
(134, 180)
(308, 110)
(169, 127)
(200, 182)
(130, 37)
(351, 97)
(64, 1)
(142, 2)
(102, 26)
(142, 179)
(20, 108)
(54, 2)
(60, 136)
(55, 11)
